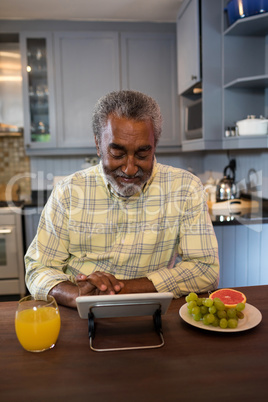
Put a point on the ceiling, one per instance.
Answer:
(91, 10)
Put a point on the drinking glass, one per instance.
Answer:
(37, 323)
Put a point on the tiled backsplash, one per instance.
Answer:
(15, 165)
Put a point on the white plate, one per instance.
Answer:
(252, 317)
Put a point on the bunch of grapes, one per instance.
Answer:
(214, 312)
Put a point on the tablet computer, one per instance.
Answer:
(123, 305)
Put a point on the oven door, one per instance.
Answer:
(8, 252)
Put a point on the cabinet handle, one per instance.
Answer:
(5, 231)
(193, 77)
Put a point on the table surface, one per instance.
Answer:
(194, 364)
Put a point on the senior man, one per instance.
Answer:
(127, 225)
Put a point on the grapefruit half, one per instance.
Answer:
(229, 297)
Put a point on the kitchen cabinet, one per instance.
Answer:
(188, 45)
(11, 252)
(38, 90)
(207, 48)
(243, 254)
(245, 77)
(87, 67)
(31, 220)
(82, 66)
(149, 65)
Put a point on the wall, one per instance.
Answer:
(201, 163)
(15, 165)
(45, 168)
(245, 160)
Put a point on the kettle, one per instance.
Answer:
(226, 188)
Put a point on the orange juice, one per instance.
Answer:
(37, 329)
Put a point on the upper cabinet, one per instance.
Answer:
(38, 90)
(245, 77)
(188, 50)
(149, 65)
(200, 54)
(87, 67)
(66, 72)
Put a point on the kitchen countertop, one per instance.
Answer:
(259, 216)
(39, 198)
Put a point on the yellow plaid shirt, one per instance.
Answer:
(164, 233)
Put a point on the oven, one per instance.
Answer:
(12, 272)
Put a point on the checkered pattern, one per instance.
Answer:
(164, 233)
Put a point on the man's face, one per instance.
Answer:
(127, 152)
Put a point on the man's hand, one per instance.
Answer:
(98, 283)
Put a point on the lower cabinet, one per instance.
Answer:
(31, 221)
(243, 254)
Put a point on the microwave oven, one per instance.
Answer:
(193, 120)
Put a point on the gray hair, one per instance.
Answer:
(130, 104)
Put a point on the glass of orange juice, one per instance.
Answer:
(37, 323)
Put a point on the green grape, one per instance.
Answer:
(240, 306)
(210, 318)
(205, 320)
(196, 310)
(199, 301)
(216, 322)
(208, 302)
(192, 296)
(217, 299)
(231, 313)
(197, 317)
(232, 323)
(191, 304)
(240, 315)
(223, 323)
(212, 309)
(213, 312)
(203, 310)
(219, 305)
(221, 314)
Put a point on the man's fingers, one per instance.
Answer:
(99, 283)
(105, 282)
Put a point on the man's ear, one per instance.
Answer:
(97, 146)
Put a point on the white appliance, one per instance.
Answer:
(11, 252)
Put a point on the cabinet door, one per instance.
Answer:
(31, 222)
(87, 67)
(149, 66)
(188, 45)
(38, 90)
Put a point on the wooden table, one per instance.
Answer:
(193, 365)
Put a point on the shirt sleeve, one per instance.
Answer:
(48, 254)
(198, 268)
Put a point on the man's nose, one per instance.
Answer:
(130, 168)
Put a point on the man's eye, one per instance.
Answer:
(142, 155)
(117, 155)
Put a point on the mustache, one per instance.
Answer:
(119, 173)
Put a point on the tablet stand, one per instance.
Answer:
(156, 319)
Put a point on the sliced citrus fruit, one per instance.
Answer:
(229, 297)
